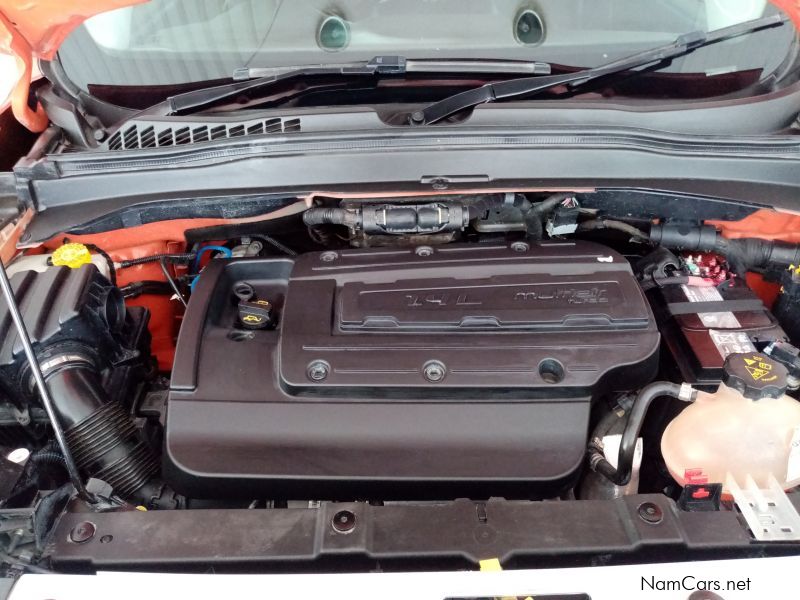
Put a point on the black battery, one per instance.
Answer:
(702, 325)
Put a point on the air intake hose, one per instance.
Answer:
(332, 216)
(100, 434)
(743, 254)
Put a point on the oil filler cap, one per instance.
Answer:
(755, 375)
(256, 314)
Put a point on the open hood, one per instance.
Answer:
(36, 28)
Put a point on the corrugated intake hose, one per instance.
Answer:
(100, 434)
(743, 254)
(753, 253)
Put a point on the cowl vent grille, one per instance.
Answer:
(139, 135)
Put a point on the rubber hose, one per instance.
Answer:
(743, 253)
(99, 432)
(331, 216)
(547, 205)
(535, 216)
(750, 253)
(598, 224)
(621, 475)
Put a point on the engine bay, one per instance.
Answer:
(518, 349)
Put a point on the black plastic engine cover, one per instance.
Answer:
(77, 311)
(435, 372)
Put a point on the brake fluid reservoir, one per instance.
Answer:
(748, 427)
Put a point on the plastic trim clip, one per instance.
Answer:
(769, 513)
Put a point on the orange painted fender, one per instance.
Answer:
(35, 29)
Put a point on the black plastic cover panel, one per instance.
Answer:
(70, 310)
(445, 371)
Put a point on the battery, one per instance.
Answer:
(702, 325)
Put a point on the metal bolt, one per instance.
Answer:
(14, 539)
(417, 117)
(82, 532)
(424, 251)
(328, 256)
(520, 246)
(651, 513)
(434, 371)
(318, 370)
(344, 521)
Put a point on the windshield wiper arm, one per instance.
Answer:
(527, 86)
(250, 80)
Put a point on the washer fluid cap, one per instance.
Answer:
(72, 256)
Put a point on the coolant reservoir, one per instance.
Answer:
(748, 427)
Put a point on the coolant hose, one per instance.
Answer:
(534, 218)
(99, 432)
(621, 475)
(549, 204)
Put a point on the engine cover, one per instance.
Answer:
(404, 373)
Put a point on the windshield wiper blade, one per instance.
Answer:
(250, 80)
(197, 99)
(398, 65)
(528, 86)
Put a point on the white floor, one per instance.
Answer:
(765, 578)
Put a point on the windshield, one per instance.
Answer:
(169, 42)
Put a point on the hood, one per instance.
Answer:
(36, 28)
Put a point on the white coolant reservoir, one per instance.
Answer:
(748, 427)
